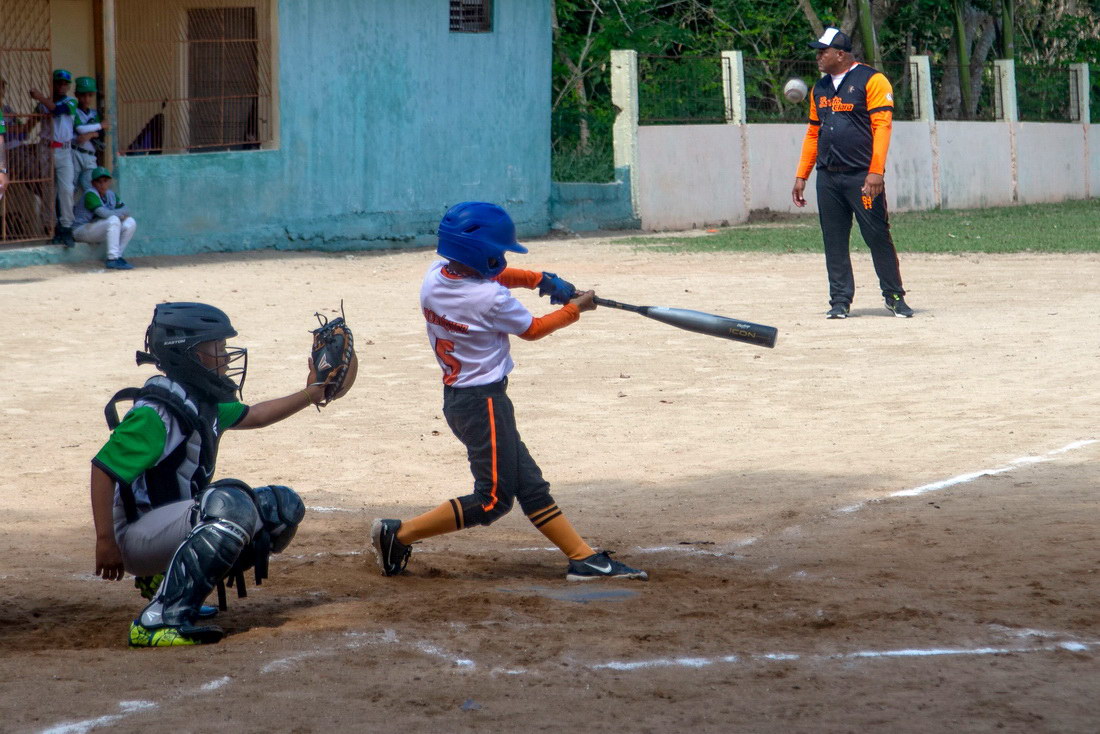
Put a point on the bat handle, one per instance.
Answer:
(617, 304)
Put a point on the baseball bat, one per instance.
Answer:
(702, 323)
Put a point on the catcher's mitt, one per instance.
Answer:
(334, 357)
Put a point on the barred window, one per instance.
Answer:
(471, 16)
(194, 76)
(27, 206)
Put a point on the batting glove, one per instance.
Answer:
(560, 290)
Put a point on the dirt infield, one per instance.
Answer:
(824, 555)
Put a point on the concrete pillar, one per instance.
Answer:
(1079, 91)
(110, 86)
(624, 95)
(733, 86)
(923, 103)
(1006, 90)
(924, 110)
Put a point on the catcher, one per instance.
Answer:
(157, 515)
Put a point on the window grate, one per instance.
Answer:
(194, 76)
(471, 16)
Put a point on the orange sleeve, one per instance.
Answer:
(880, 95)
(880, 106)
(881, 125)
(551, 322)
(517, 278)
(809, 151)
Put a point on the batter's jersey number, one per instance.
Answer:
(444, 350)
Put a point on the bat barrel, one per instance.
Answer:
(712, 325)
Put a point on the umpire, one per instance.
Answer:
(851, 110)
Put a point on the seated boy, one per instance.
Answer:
(102, 217)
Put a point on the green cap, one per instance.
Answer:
(100, 172)
(85, 84)
(62, 75)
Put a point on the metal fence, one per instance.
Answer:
(1094, 93)
(193, 76)
(27, 209)
(765, 79)
(1047, 94)
(582, 143)
(949, 101)
(680, 89)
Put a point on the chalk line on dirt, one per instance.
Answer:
(81, 727)
(725, 550)
(971, 476)
(703, 662)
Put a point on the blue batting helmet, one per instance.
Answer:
(477, 234)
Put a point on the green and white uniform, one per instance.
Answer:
(84, 160)
(159, 469)
(57, 139)
(100, 219)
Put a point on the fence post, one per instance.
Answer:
(733, 86)
(1006, 90)
(110, 86)
(922, 89)
(1079, 91)
(624, 96)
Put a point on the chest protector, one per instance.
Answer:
(187, 470)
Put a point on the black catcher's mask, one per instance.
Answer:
(170, 342)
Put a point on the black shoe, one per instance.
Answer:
(392, 554)
(839, 311)
(602, 566)
(898, 306)
(64, 236)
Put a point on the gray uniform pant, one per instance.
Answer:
(83, 164)
(112, 230)
(149, 543)
(63, 172)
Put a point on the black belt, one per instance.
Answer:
(842, 169)
(492, 388)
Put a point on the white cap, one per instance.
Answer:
(833, 38)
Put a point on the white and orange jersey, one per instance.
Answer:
(468, 322)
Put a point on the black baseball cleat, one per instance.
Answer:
(64, 236)
(839, 311)
(602, 566)
(898, 306)
(392, 554)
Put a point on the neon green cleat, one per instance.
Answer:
(141, 636)
(147, 585)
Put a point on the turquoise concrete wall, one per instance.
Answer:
(386, 119)
(586, 207)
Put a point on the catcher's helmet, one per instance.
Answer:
(170, 341)
(477, 234)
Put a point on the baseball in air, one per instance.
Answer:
(795, 90)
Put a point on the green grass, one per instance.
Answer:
(1072, 226)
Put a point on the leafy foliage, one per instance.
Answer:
(774, 33)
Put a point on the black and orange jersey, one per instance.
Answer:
(850, 126)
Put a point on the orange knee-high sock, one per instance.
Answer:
(446, 518)
(555, 526)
